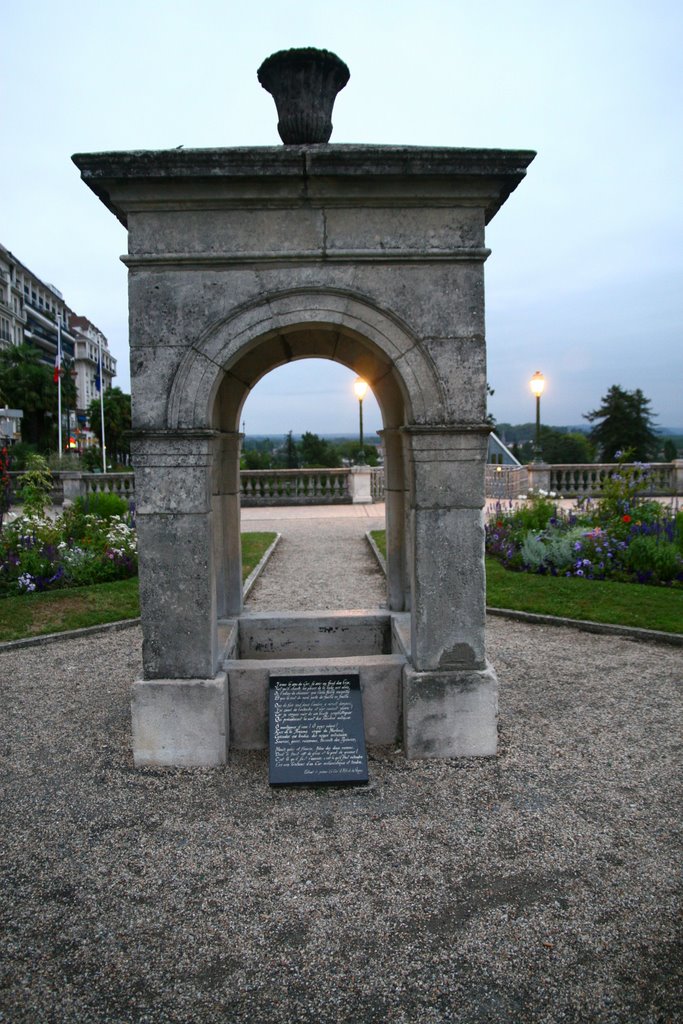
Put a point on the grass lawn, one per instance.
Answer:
(59, 610)
(622, 604)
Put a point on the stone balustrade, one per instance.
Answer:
(377, 483)
(580, 480)
(506, 482)
(339, 486)
(587, 480)
(295, 487)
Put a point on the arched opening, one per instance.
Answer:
(242, 372)
(313, 394)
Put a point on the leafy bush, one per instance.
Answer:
(652, 559)
(35, 486)
(551, 550)
(102, 504)
(539, 509)
(91, 459)
(19, 453)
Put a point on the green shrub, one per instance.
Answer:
(102, 504)
(19, 453)
(553, 549)
(678, 535)
(653, 557)
(91, 460)
(34, 489)
(535, 514)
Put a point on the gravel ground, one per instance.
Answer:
(539, 886)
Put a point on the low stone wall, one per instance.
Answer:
(345, 486)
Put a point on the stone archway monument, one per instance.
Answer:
(240, 260)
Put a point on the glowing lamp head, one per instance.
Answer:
(537, 383)
(360, 386)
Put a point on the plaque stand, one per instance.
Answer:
(316, 733)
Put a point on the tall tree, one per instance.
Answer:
(27, 384)
(316, 452)
(117, 421)
(561, 446)
(626, 425)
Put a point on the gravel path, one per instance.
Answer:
(539, 886)
(319, 564)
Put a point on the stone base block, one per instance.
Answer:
(450, 714)
(180, 721)
(380, 682)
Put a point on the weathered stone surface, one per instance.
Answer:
(177, 596)
(450, 714)
(380, 678)
(460, 364)
(237, 232)
(180, 722)
(313, 634)
(448, 589)
(420, 229)
(448, 467)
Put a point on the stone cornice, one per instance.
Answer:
(308, 170)
(188, 260)
(446, 428)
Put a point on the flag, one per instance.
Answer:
(58, 366)
(98, 381)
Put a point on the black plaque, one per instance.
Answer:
(316, 729)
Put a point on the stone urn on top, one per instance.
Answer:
(304, 84)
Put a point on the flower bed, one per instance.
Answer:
(620, 537)
(77, 549)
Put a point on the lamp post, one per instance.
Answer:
(537, 383)
(360, 386)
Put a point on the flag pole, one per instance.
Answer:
(58, 371)
(104, 443)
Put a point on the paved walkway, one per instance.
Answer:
(322, 561)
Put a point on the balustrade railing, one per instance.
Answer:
(587, 480)
(122, 484)
(506, 482)
(335, 486)
(377, 483)
(294, 487)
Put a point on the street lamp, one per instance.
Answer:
(537, 383)
(360, 386)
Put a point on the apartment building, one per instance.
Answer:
(29, 311)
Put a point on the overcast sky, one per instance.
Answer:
(585, 279)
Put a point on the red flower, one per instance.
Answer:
(626, 519)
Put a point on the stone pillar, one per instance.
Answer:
(395, 514)
(450, 692)
(226, 516)
(539, 477)
(360, 485)
(678, 477)
(173, 475)
(72, 486)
